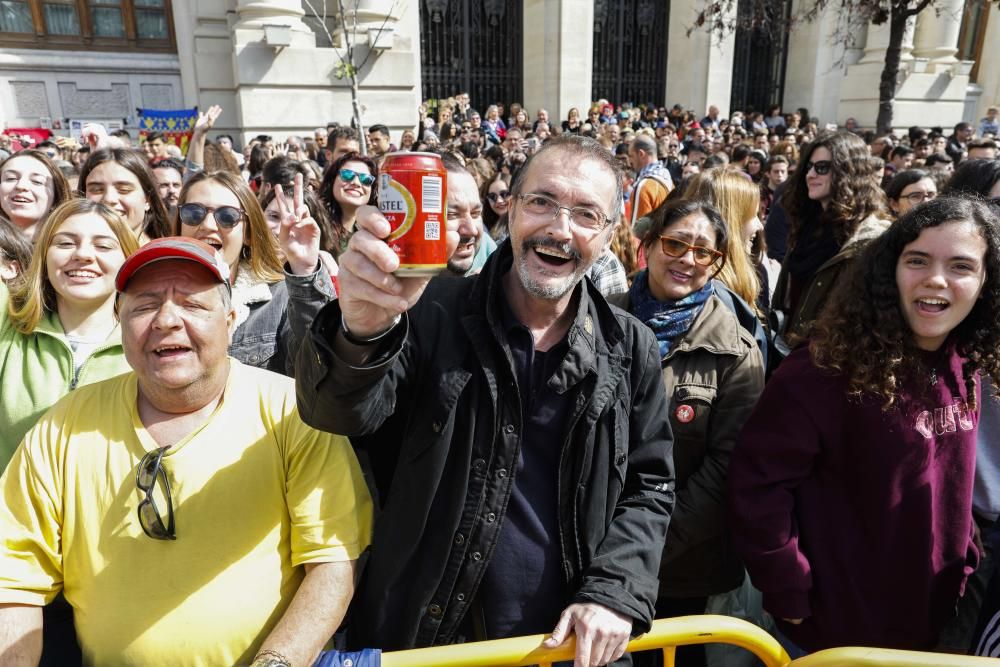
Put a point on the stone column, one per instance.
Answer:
(878, 41)
(558, 69)
(255, 14)
(937, 34)
(699, 66)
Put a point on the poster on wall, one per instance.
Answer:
(76, 126)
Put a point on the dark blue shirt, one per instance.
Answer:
(524, 588)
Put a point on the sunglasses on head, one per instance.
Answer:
(149, 472)
(822, 168)
(225, 216)
(494, 197)
(348, 175)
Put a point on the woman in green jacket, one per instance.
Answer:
(57, 324)
(713, 373)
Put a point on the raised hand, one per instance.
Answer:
(299, 234)
(370, 296)
(206, 119)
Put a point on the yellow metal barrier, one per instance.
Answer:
(882, 657)
(665, 634)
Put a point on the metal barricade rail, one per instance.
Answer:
(666, 634)
(882, 657)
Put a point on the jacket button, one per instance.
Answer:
(460, 597)
(509, 428)
(254, 358)
(621, 459)
(436, 427)
(434, 610)
(476, 555)
(501, 473)
(491, 517)
(478, 464)
(460, 539)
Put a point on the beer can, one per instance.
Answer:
(413, 195)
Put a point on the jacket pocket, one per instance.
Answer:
(690, 414)
(255, 350)
(434, 419)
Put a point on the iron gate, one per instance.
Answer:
(630, 51)
(471, 46)
(760, 57)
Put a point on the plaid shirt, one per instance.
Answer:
(608, 274)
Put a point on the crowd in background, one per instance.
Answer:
(762, 246)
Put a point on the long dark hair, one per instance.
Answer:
(156, 223)
(326, 191)
(976, 177)
(862, 333)
(490, 217)
(855, 194)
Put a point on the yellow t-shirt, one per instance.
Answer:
(256, 494)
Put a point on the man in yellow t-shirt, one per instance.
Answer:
(184, 509)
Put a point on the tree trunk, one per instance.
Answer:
(887, 84)
(356, 108)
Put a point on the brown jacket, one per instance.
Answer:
(817, 292)
(713, 377)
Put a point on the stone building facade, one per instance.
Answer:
(272, 68)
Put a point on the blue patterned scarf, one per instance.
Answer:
(669, 320)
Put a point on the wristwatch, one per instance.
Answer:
(356, 340)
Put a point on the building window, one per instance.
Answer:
(105, 24)
(61, 17)
(973, 35)
(15, 16)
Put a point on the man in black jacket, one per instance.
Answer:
(515, 422)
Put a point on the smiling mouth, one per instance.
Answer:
(932, 306)
(215, 243)
(168, 351)
(552, 256)
(82, 274)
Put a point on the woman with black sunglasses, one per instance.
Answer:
(348, 184)
(275, 302)
(496, 200)
(713, 372)
(834, 206)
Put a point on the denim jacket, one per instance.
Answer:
(274, 330)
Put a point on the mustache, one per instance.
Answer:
(544, 242)
(465, 240)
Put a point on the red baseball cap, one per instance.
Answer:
(173, 247)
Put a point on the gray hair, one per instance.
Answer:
(582, 148)
(644, 142)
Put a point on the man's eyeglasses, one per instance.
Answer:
(919, 197)
(147, 474)
(583, 217)
(822, 168)
(677, 248)
(348, 175)
(225, 216)
(494, 197)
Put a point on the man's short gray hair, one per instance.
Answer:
(582, 148)
(645, 143)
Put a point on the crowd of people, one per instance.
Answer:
(672, 361)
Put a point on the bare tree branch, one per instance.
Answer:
(378, 34)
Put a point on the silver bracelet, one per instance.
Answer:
(356, 340)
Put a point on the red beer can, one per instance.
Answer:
(413, 195)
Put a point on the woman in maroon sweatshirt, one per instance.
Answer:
(851, 483)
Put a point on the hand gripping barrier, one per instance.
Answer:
(882, 657)
(666, 634)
